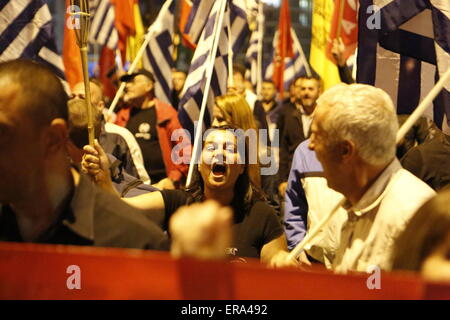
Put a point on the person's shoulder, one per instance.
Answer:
(406, 194)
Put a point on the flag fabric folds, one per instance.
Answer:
(192, 94)
(345, 22)
(294, 66)
(197, 21)
(186, 6)
(71, 53)
(158, 54)
(404, 48)
(323, 11)
(256, 38)
(103, 30)
(26, 32)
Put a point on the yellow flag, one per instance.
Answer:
(135, 42)
(321, 25)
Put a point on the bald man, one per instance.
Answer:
(42, 198)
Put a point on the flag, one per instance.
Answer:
(256, 21)
(403, 48)
(238, 21)
(26, 32)
(71, 53)
(346, 14)
(103, 31)
(135, 41)
(294, 66)
(158, 54)
(283, 46)
(323, 11)
(124, 23)
(186, 6)
(192, 94)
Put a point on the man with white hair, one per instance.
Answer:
(354, 137)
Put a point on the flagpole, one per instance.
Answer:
(82, 34)
(302, 54)
(293, 255)
(260, 20)
(230, 49)
(199, 130)
(136, 61)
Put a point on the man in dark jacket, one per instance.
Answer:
(42, 198)
(296, 124)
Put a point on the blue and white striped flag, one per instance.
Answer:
(103, 31)
(238, 20)
(191, 97)
(294, 67)
(158, 54)
(26, 32)
(404, 46)
(256, 38)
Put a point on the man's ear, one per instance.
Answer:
(56, 136)
(347, 150)
(101, 105)
(149, 87)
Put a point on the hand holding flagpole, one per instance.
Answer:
(82, 34)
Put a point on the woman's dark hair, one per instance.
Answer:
(245, 192)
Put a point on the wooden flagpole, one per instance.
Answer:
(82, 35)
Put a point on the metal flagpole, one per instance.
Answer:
(209, 69)
(82, 34)
(293, 255)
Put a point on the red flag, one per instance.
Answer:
(186, 6)
(124, 23)
(346, 14)
(71, 53)
(107, 72)
(283, 48)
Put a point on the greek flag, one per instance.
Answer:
(294, 67)
(103, 30)
(238, 21)
(191, 97)
(404, 47)
(256, 38)
(26, 32)
(158, 54)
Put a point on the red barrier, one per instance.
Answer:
(30, 271)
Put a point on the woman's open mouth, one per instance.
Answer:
(219, 170)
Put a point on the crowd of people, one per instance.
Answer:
(333, 150)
